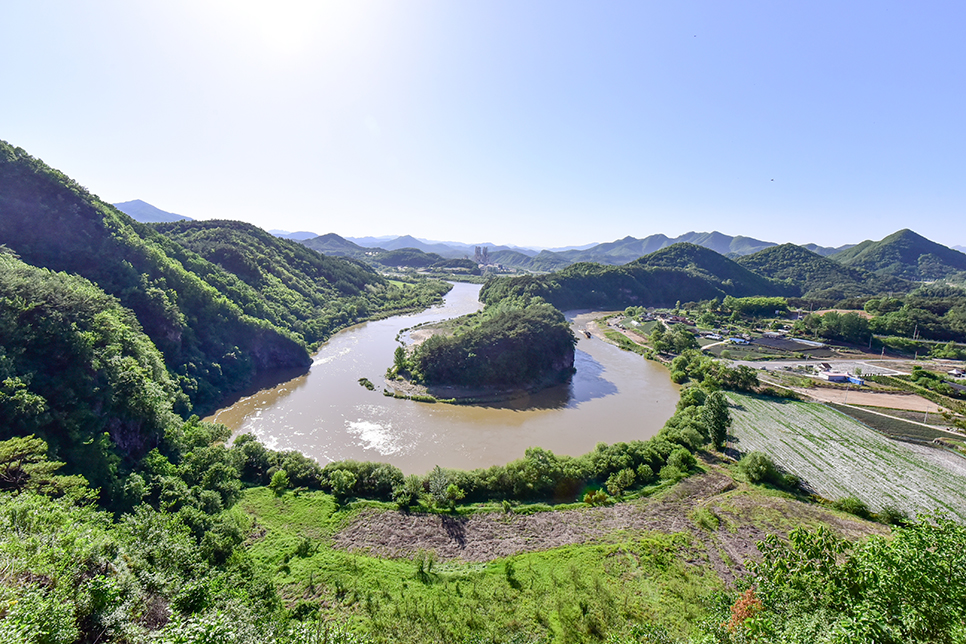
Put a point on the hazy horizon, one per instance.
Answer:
(538, 124)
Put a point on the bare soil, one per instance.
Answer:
(745, 518)
(907, 401)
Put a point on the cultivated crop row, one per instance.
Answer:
(837, 457)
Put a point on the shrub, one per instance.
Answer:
(596, 497)
(705, 519)
(342, 482)
(682, 459)
(620, 481)
(671, 473)
(407, 493)
(645, 474)
(279, 483)
(853, 505)
(757, 467)
(893, 516)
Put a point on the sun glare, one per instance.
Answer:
(287, 27)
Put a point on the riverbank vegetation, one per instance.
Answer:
(219, 561)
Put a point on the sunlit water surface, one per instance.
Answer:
(614, 396)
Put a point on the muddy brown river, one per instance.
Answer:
(614, 396)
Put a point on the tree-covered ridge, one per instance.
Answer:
(217, 323)
(405, 257)
(207, 340)
(76, 370)
(510, 344)
(904, 254)
(287, 283)
(817, 277)
(713, 267)
(683, 272)
(332, 244)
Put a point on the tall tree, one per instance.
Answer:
(716, 416)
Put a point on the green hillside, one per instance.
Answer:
(293, 287)
(75, 368)
(818, 277)
(207, 340)
(336, 246)
(683, 272)
(904, 254)
(544, 261)
(255, 307)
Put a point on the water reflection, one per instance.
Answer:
(613, 396)
(586, 384)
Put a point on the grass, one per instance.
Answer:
(839, 457)
(624, 342)
(570, 594)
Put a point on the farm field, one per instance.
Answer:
(894, 427)
(836, 456)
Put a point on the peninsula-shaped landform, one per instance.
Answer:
(516, 346)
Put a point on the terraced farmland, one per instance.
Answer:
(837, 456)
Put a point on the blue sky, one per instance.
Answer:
(532, 123)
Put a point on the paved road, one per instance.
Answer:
(867, 367)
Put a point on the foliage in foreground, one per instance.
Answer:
(818, 588)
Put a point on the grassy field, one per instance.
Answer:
(580, 575)
(624, 342)
(839, 457)
(578, 593)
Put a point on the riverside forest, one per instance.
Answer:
(126, 518)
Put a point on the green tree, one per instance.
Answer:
(454, 493)
(620, 481)
(279, 482)
(343, 483)
(716, 418)
(399, 360)
(24, 466)
(909, 587)
(407, 493)
(438, 485)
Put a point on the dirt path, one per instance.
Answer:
(745, 519)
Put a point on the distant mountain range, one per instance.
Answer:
(900, 257)
(147, 214)
(613, 253)
(296, 236)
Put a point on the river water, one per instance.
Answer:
(614, 396)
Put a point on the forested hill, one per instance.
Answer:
(817, 277)
(74, 366)
(683, 272)
(207, 340)
(288, 284)
(257, 306)
(904, 254)
(712, 266)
